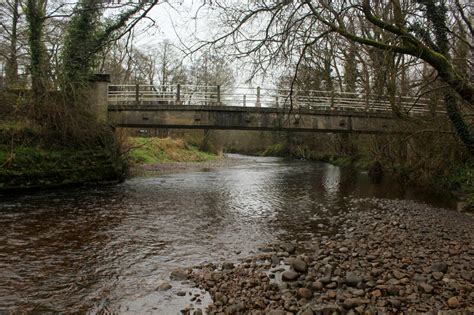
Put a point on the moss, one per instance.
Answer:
(156, 150)
(37, 167)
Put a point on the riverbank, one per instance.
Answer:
(390, 256)
(31, 158)
(155, 156)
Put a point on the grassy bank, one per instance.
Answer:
(167, 150)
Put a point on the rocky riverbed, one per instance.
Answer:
(389, 256)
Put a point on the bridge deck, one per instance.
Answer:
(245, 118)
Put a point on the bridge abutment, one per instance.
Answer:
(98, 96)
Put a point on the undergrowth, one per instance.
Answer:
(156, 150)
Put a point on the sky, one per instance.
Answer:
(180, 24)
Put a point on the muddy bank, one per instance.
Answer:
(390, 256)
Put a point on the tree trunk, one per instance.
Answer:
(35, 15)
(11, 67)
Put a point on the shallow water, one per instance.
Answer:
(106, 249)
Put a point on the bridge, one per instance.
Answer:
(244, 108)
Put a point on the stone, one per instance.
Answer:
(358, 292)
(439, 267)
(332, 294)
(353, 302)
(181, 293)
(276, 312)
(165, 286)
(399, 275)
(466, 275)
(437, 275)
(307, 312)
(275, 260)
(376, 293)
(299, 265)
(305, 293)
(453, 302)
(288, 247)
(198, 312)
(352, 279)
(179, 275)
(236, 308)
(318, 285)
(227, 266)
(419, 278)
(289, 275)
(395, 303)
(426, 288)
(332, 285)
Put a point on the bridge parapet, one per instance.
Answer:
(270, 98)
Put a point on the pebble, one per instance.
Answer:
(290, 275)
(179, 275)
(305, 293)
(276, 312)
(299, 265)
(352, 279)
(353, 302)
(165, 286)
(453, 302)
(439, 267)
(425, 287)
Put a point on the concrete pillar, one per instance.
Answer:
(99, 96)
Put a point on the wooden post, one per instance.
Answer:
(178, 94)
(258, 103)
(137, 94)
(276, 99)
(245, 100)
(218, 95)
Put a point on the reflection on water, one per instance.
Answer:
(108, 248)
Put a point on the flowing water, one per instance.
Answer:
(106, 249)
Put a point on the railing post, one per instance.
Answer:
(218, 95)
(137, 94)
(332, 99)
(276, 99)
(367, 100)
(245, 100)
(258, 103)
(178, 94)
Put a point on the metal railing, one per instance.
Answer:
(270, 98)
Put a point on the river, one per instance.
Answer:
(106, 249)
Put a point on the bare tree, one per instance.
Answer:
(276, 32)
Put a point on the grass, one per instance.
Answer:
(167, 150)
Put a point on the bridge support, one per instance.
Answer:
(99, 88)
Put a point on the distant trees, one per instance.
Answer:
(56, 44)
(10, 39)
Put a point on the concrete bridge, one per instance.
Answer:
(207, 107)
